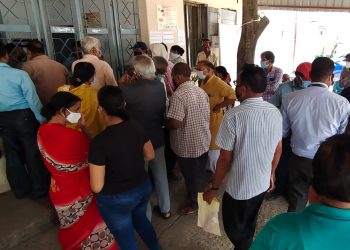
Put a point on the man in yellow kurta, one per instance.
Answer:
(221, 95)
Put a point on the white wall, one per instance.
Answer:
(149, 23)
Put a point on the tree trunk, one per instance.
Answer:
(252, 28)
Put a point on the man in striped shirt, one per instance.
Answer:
(250, 141)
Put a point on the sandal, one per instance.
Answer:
(188, 210)
(164, 215)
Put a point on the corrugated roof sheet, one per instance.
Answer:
(331, 5)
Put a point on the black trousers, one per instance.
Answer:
(300, 176)
(282, 169)
(25, 169)
(239, 218)
(193, 170)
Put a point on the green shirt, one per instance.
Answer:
(283, 90)
(317, 227)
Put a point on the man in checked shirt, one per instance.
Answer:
(274, 74)
(188, 121)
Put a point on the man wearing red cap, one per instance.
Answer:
(301, 81)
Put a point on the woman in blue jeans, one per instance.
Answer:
(116, 158)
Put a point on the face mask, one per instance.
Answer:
(159, 77)
(264, 64)
(173, 56)
(201, 75)
(73, 117)
(347, 65)
(305, 84)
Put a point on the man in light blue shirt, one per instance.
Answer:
(325, 224)
(19, 121)
(311, 116)
(301, 81)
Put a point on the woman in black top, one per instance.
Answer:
(117, 157)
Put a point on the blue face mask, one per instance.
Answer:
(159, 77)
(264, 64)
(305, 84)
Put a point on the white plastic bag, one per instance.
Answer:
(208, 215)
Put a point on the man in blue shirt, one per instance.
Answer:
(301, 81)
(19, 121)
(326, 223)
(311, 116)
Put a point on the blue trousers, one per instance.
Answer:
(159, 174)
(126, 212)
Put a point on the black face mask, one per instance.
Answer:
(137, 53)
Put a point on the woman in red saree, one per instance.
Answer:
(65, 152)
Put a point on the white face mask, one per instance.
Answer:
(201, 75)
(73, 117)
(347, 65)
(173, 56)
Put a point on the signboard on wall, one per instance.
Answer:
(166, 17)
(92, 20)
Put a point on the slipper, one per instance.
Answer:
(164, 215)
(188, 210)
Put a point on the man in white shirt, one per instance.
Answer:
(250, 141)
(92, 52)
(207, 54)
(311, 116)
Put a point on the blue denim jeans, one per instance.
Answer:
(160, 178)
(126, 212)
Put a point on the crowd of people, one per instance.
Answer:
(100, 147)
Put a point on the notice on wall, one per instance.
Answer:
(166, 17)
(155, 37)
(92, 20)
(168, 37)
(181, 37)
